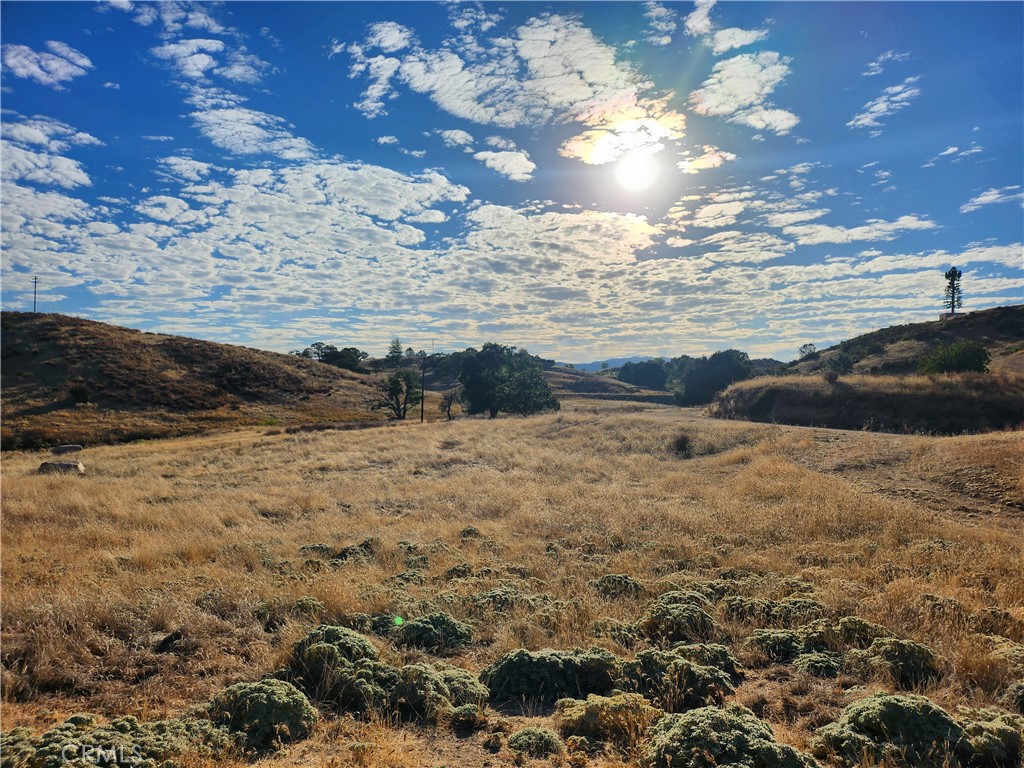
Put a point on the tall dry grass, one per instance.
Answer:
(200, 537)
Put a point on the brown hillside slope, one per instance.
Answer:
(65, 379)
(901, 348)
(946, 405)
(568, 382)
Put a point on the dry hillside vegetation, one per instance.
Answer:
(792, 572)
(945, 404)
(901, 348)
(71, 380)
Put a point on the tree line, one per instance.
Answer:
(692, 380)
(494, 379)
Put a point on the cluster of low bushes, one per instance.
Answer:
(247, 718)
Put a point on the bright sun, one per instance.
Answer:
(636, 171)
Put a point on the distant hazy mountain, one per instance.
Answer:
(614, 362)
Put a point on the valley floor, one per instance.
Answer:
(169, 570)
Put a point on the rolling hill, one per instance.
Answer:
(66, 379)
(900, 348)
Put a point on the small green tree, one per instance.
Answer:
(397, 394)
(807, 350)
(394, 355)
(957, 357)
(500, 378)
(954, 296)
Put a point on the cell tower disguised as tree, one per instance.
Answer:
(954, 296)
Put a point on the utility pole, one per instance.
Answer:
(423, 378)
(35, 283)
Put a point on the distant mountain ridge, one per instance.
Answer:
(613, 362)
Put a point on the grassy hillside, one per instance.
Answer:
(901, 348)
(70, 380)
(950, 404)
(569, 382)
(187, 565)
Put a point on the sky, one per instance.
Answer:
(585, 180)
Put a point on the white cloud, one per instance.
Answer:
(716, 215)
(744, 247)
(698, 23)
(876, 67)
(63, 64)
(892, 100)
(551, 69)
(21, 164)
(387, 140)
(499, 142)
(738, 88)
(389, 36)
(515, 165)
(788, 218)
(874, 229)
(456, 138)
(712, 157)
(992, 196)
(190, 57)
(249, 132)
(662, 22)
(112, 86)
(727, 39)
(39, 131)
(185, 168)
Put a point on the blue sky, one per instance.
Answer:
(586, 180)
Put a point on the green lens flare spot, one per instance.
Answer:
(399, 621)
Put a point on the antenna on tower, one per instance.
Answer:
(35, 284)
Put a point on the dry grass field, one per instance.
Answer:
(177, 567)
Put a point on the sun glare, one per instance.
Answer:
(636, 171)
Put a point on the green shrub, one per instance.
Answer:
(463, 687)
(778, 645)
(957, 357)
(436, 632)
(622, 719)
(716, 738)
(308, 608)
(421, 694)
(819, 664)
(994, 738)
(747, 609)
(124, 742)
(549, 675)
(536, 743)
(325, 675)
(1013, 698)
(849, 632)
(350, 644)
(626, 635)
(467, 718)
(673, 683)
(269, 713)
(615, 585)
(895, 730)
(677, 617)
(909, 664)
(711, 655)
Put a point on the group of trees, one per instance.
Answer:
(348, 358)
(496, 379)
(692, 380)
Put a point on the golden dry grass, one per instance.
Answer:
(201, 535)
